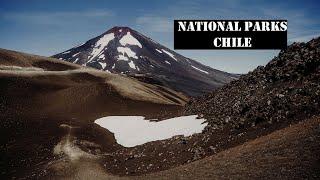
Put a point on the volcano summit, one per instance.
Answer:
(126, 51)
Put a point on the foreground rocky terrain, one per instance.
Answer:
(284, 92)
(290, 153)
(264, 125)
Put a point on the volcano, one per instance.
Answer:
(126, 51)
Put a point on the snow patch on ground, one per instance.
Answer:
(129, 39)
(170, 54)
(131, 131)
(167, 62)
(127, 51)
(200, 69)
(100, 45)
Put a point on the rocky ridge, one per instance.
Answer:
(287, 88)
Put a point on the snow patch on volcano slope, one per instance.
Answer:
(200, 69)
(102, 57)
(131, 131)
(100, 45)
(122, 57)
(75, 61)
(126, 51)
(159, 51)
(75, 54)
(129, 39)
(103, 64)
(132, 65)
(170, 54)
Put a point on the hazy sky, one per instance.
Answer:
(47, 27)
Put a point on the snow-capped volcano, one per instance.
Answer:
(123, 50)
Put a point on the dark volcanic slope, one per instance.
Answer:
(123, 50)
(284, 92)
(286, 89)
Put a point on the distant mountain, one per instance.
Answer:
(123, 50)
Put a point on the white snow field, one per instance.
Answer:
(129, 39)
(131, 131)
